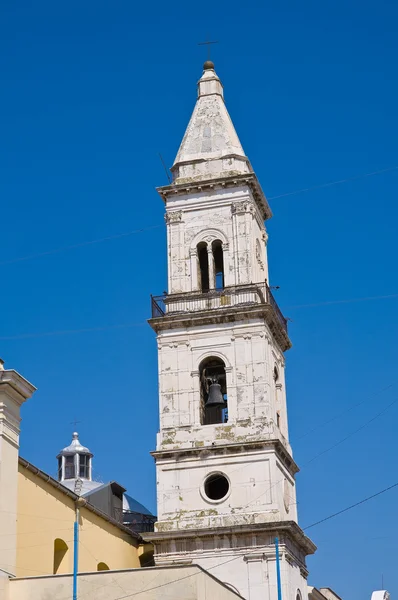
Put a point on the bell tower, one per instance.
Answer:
(225, 470)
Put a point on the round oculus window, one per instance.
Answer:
(216, 487)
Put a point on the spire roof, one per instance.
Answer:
(210, 147)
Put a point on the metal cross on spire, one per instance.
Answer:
(75, 422)
(208, 44)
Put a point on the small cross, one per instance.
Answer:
(208, 44)
(75, 422)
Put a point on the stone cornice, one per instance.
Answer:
(21, 387)
(190, 187)
(235, 447)
(288, 528)
(216, 316)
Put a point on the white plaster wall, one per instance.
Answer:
(183, 583)
(257, 482)
(229, 215)
(250, 355)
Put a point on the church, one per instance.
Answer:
(227, 523)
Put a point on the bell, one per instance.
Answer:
(215, 397)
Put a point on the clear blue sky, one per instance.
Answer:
(91, 92)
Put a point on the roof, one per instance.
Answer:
(64, 490)
(210, 147)
(75, 447)
(130, 504)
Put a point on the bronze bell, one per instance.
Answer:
(215, 397)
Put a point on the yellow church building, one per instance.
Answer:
(37, 512)
(37, 516)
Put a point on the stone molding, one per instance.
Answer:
(244, 206)
(219, 183)
(173, 217)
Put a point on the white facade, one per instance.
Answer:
(225, 475)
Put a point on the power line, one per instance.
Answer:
(143, 229)
(331, 516)
(346, 301)
(329, 449)
(340, 512)
(352, 433)
(23, 336)
(79, 245)
(349, 409)
(325, 185)
(141, 323)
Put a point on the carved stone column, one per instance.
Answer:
(194, 270)
(212, 278)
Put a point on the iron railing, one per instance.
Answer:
(231, 296)
(138, 522)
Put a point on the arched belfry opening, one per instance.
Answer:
(218, 265)
(203, 259)
(213, 391)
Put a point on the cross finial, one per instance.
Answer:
(208, 44)
(75, 422)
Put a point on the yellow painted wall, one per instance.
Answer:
(45, 514)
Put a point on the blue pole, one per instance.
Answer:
(278, 569)
(75, 553)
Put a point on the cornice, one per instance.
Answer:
(236, 447)
(21, 387)
(217, 316)
(190, 187)
(288, 528)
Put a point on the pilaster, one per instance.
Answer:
(14, 391)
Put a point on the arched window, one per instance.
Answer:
(203, 260)
(213, 391)
(60, 550)
(218, 265)
(102, 567)
(298, 595)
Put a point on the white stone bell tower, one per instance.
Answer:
(225, 471)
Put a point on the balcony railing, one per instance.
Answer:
(232, 296)
(138, 522)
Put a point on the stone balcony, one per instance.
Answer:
(232, 302)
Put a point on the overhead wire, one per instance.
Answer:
(22, 336)
(78, 245)
(331, 183)
(327, 518)
(143, 229)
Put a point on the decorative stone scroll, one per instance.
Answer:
(173, 217)
(243, 207)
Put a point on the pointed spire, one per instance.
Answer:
(210, 148)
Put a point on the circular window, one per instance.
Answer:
(216, 487)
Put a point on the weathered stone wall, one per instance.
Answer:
(230, 216)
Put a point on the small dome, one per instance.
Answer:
(75, 447)
(129, 504)
(209, 64)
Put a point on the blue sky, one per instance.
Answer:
(92, 92)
